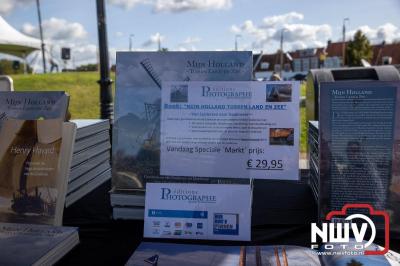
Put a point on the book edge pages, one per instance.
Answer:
(68, 135)
(59, 251)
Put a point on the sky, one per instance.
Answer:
(191, 25)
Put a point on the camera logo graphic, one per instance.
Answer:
(337, 233)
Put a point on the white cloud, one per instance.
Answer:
(56, 29)
(191, 40)
(60, 33)
(174, 6)
(249, 28)
(386, 32)
(298, 45)
(119, 34)
(273, 21)
(127, 4)
(154, 39)
(304, 32)
(84, 53)
(81, 53)
(266, 36)
(7, 6)
(186, 5)
(235, 29)
(188, 44)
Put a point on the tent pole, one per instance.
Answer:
(25, 64)
(41, 35)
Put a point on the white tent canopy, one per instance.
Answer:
(15, 43)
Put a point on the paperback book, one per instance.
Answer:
(136, 131)
(33, 105)
(35, 157)
(28, 244)
(90, 160)
(359, 148)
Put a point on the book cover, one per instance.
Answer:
(136, 131)
(27, 244)
(359, 147)
(35, 157)
(33, 105)
(183, 254)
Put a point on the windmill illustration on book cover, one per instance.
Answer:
(136, 130)
(153, 109)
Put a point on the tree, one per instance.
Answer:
(357, 49)
(8, 67)
(87, 67)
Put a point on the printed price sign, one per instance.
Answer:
(230, 129)
(198, 211)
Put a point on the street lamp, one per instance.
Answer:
(106, 98)
(41, 36)
(344, 40)
(236, 42)
(159, 42)
(281, 59)
(130, 41)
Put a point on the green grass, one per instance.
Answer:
(84, 92)
(81, 86)
(303, 130)
(303, 123)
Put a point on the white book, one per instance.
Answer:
(134, 198)
(86, 166)
(91, 140)
(87, 127)
(131, 213)
(87, 188)
(84, 155)
(79, 182)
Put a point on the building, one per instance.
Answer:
(301, 61)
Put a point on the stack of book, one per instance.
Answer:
(90, 165)
(36, 150)
(313, 147)
(40, 244)
(127, 205)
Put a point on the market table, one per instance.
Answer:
(104, 241)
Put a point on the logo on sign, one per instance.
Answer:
(337, 234)
(191, 196)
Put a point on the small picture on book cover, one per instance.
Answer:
(281, 136)
(279, 92)
(29, 170)
(179, 94)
